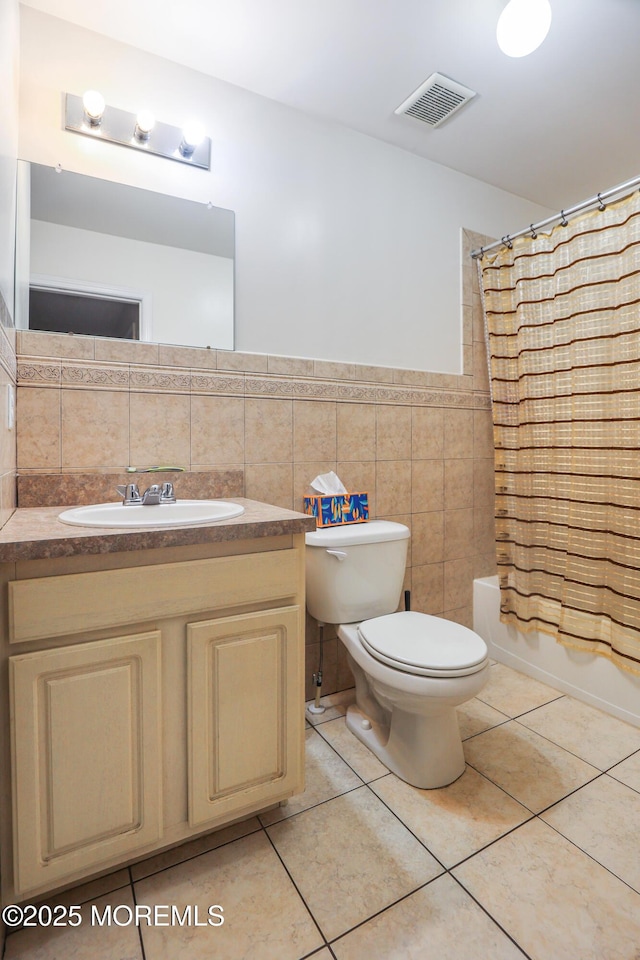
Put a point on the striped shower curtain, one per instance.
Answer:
(563, 326)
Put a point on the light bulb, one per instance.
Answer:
(192, 135)
(93, 104)
(522, 26)
(145, 122)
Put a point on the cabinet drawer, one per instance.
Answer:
(80, 602)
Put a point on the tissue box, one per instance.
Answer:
(337, 509)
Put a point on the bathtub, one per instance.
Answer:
(588, 677)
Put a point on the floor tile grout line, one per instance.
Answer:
(401, 821)
(389, 906)
(495, 726)
(313, 806)
(344, 760)
(608, 773)
(195, 856)
(531, 817)
(572, 752)
(624, 759)
(491, 843)
(338, 754)
(538, 816)
(318, 723)
(504, 790)
(139, 925)
(555, 744)
(524, 712)
(296, 888)
(570, 794)
(411, 893)
(491, 917)
(536, 813)
(591, 856)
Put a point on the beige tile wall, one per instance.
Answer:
(420, 443)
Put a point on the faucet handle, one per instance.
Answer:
(129, 492)
(167, 495)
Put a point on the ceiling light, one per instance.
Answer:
(522, 26)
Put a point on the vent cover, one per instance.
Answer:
(436, 100)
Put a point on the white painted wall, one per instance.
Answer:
(191, 293)
(9, 80)
(346, 248)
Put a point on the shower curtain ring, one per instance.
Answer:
(481, 254)
(534, 235)
(601, 204)
(507, 241)
(563, 219)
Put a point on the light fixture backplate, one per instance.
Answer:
(118, 126)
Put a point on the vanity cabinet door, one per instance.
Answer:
(245, 712)
(86, 756)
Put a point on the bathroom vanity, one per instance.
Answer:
(152, 687)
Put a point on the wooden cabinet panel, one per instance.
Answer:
(86, 755)
(79, 602)
(113, 758)
(245, 711)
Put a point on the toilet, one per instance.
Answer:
(411, 670)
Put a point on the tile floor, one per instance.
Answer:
(534, 852)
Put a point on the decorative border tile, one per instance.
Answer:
(152, 379)
(94, 374)
(32, 372)
(217, 383)
(355, 392)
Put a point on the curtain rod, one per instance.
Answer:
(560, 217)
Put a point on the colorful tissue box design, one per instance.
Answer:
(341, 508)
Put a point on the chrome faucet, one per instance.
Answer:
(155, 494)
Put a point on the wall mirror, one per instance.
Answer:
(107, 259)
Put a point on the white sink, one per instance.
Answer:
(182, 513)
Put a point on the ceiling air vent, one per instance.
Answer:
(436, 100)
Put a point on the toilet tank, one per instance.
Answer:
(355, 572)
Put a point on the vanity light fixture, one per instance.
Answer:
(522, 26)
(89, 115)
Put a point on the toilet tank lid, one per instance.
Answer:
(350, 534)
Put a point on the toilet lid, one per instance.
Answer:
(425, 645)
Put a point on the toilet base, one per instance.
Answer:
(424, 751)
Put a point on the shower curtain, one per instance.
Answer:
(562, 313)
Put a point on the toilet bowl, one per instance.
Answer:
(405, 713)
(411, 669)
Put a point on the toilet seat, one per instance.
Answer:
(423, 645)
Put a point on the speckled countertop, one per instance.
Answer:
(35, 533)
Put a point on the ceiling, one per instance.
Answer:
(555, 127)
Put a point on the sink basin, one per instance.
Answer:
(182, 513)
